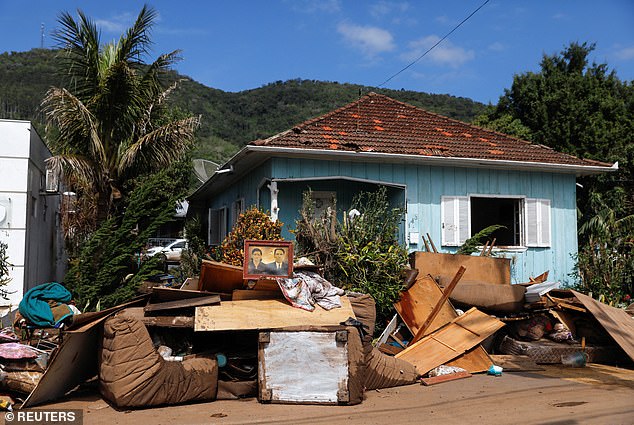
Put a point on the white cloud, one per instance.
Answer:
(312, 6)
(446, 53)
(383, 8)
(497, 47)
(370, 40)
(626, 53)
(117, 24)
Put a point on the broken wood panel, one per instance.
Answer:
(479, 269)
(616, 321)
(463, 333)
(417, 303)
(415, 306)
(439, 305)
(445, 378)
(303, 367)
(475, 360)
(187, 303)
(159, 321)
(266, 314)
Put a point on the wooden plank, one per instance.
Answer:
(389, 349)
(450, 341)
(266, 314)
(616, 322)
(443, 299)
(187, 303)
(159, 321)
(480, 269)
(415, 306)
(256, 294)
(445, 378)
(160, 294)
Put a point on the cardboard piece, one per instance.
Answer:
(442, 267)
(616, 322)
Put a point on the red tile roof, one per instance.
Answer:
(377, 123)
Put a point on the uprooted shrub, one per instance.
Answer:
(360, 254)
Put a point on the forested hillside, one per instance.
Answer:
(229, 120)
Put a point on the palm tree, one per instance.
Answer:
(108, 119)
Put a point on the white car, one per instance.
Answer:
(172, 251)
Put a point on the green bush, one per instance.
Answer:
(362, 254)
(108, 269)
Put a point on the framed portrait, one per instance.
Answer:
(267, 259)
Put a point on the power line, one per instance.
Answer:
(437, 43)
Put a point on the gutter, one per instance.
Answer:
(438, 160)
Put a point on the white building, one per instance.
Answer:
(29, 215)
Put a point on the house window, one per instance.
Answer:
(526, 220)
(237, 208)
(217, 226)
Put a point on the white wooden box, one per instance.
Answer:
(307, 367)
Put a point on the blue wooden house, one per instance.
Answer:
(453, 178)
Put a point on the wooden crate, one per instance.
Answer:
(303, 367)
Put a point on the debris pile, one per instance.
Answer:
(301, 339)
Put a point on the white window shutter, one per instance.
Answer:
(538, 232)
(455, 220)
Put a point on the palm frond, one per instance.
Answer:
(159, 147)
(134, 43)
(78, 128)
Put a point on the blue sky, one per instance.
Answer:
(240, 45)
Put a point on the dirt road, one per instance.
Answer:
(596, 394)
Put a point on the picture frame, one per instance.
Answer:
(267, 259)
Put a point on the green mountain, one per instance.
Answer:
(229, 120)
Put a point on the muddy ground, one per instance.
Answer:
(596, 394)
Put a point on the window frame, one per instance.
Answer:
(455, 213)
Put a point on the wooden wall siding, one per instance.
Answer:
(425, 187)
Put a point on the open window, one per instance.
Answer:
(526, 220)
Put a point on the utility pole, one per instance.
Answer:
(42, 36)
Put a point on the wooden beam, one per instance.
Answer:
(176, 304)
(445, 378)
(432, 243)
(439, 304)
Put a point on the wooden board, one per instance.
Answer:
(463, 333)
(479, 269)
(186, 303)
(303, 367)
(160, 294)
(256, 294)
(445, 378)
(266, 314)
(415, 306)
(616, 322)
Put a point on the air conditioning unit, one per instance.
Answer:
(5, 212)
(52, 181)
